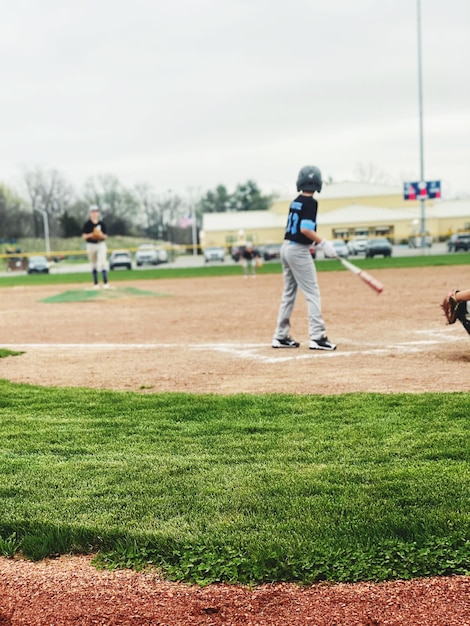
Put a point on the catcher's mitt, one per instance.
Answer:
(452, 308)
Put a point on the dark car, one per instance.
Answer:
(273, 251)
(120, 258)
(235, 253)
(38, 265)
(378, 247)
(459, 241)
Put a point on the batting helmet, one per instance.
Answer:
(309, 179)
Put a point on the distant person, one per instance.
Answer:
(298, 267)
(94, 233)
(249, 258)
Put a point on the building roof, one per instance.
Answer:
(347, 215)
(236, 220)
(449, 208)
(355, 213)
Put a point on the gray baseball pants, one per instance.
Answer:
(299, 272)
(97, 254)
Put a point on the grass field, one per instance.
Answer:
(234, 270)
(243, 488)
(238, 488)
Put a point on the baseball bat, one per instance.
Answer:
(369, 280)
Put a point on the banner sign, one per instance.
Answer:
(422, 190)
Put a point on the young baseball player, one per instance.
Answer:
(298, 267)
(94, 233)
(249, 259)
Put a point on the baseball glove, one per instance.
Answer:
(98, 233)
(451, 308)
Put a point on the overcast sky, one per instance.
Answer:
(189, 94)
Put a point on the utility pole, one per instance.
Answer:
(421, 132)
(45, 219)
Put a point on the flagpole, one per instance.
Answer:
(421, 132)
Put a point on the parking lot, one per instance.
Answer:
(191, 260)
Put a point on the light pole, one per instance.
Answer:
(194, 230)
(421, 133)
(45, 219)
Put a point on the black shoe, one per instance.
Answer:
(285, 343)
(322, 344)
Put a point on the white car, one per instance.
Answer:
(148, 254)
(357, 245)
(120, 258)
(214, 253)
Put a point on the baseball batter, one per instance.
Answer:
(298, 267)
(94, 233)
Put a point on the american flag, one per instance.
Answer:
(186, 221)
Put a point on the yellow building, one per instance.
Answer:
(339, 195)
(345, 210)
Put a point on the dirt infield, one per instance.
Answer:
(213, 336)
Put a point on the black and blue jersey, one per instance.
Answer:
(302, 214)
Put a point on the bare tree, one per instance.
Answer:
(15, 219)
(48, 193)
(148, 207)
(118, 204)
(371, 174)
(171, 207)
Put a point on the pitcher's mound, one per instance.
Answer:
(113, 293)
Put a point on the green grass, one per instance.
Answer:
(4, 353)
(241, 488)
(233, 269)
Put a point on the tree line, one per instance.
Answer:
(127, 211)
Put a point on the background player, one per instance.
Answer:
(94, 233)
(249, 259)
(298, 267)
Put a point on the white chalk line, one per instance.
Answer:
(259, 351)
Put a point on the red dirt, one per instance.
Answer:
(71, 591)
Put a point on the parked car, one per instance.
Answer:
(148, 254)
(379, 246)
(120, 258)
(38, 265)
(340, 247)
(261, 251)
(357, 245)
(214, 254)
(235, 253)
(459, 241)
(272, 251)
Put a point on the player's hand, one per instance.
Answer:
(328, 249)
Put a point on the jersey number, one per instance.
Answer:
(293, 223)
